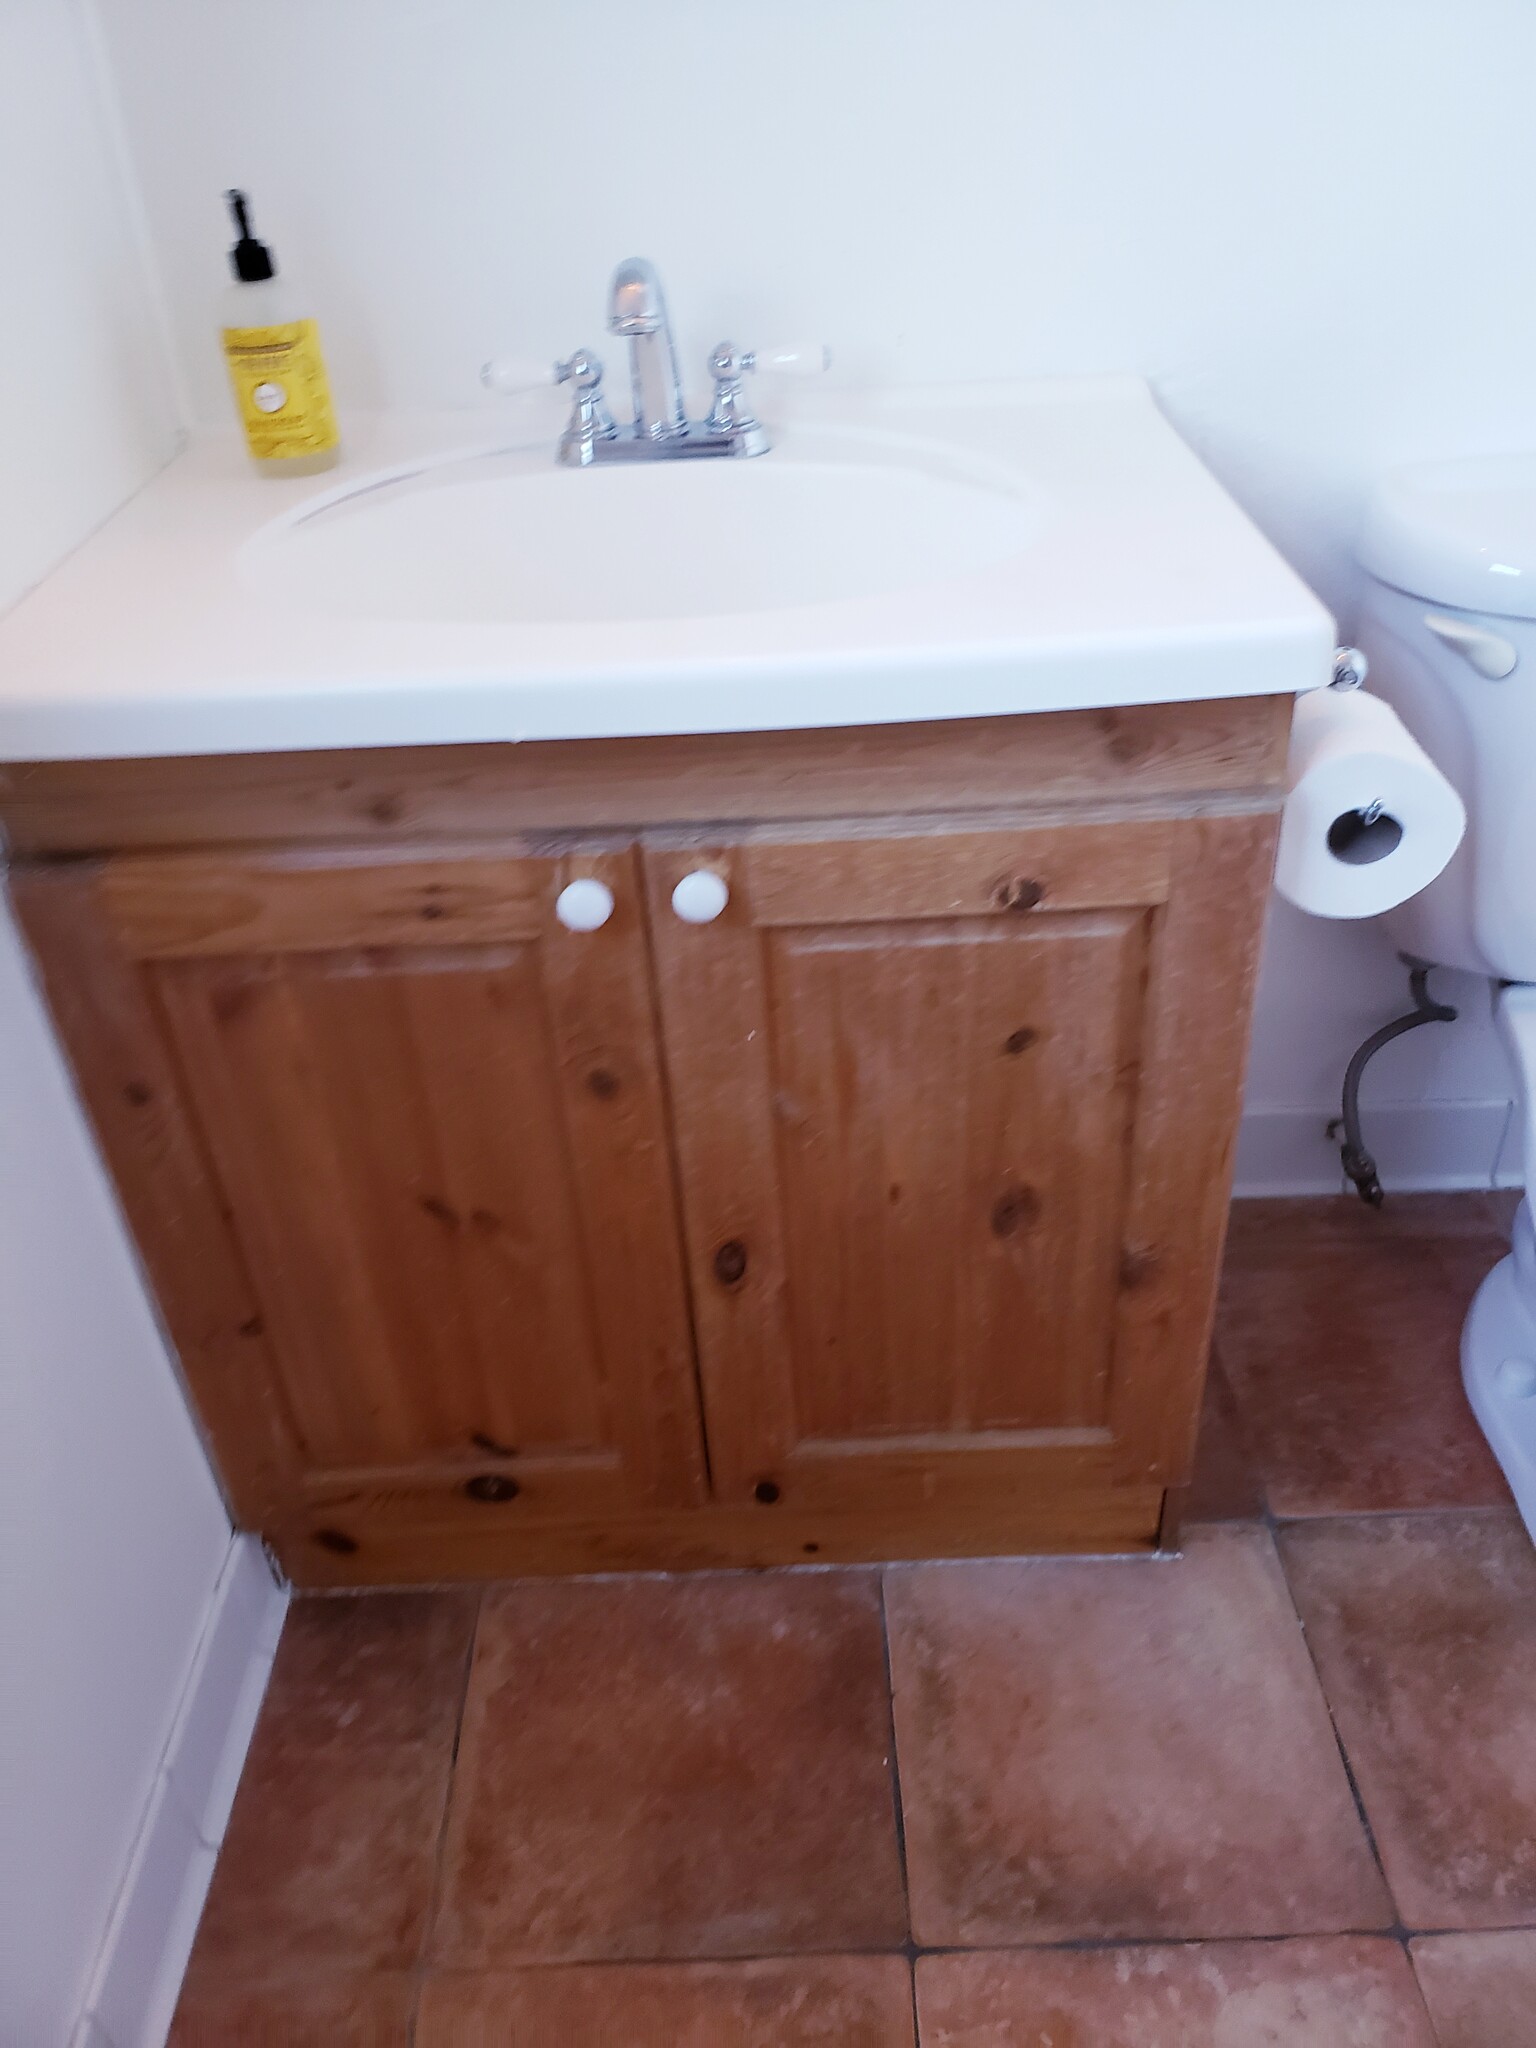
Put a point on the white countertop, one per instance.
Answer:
(1145, 584)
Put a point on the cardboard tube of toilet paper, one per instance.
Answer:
(1369, 820)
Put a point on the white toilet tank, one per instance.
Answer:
(1449, 626)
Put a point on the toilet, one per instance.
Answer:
(1449, 628)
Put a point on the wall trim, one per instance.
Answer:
(1418, 1146)
(149, 1935)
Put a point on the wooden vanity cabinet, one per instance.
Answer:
(877, 1216)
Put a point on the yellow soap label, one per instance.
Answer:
(281, 388)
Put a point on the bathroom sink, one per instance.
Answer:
(510, 537)
(957, 552)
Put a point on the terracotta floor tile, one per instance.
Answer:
(1480, 1988)
(1424, 1632)
(811, 2002)
(1224, 1486)
(1339, 1992)
(340, 2009)
(1115, 1750)
(1344, 1357)
(667, 1768)
(371, 1667)
(332, 1845)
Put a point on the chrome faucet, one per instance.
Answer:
(661, 429)
(637, 309)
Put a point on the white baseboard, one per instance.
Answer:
(1417, 1146)
(149, 1937)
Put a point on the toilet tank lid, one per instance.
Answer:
(1461, 533)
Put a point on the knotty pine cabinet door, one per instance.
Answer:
(954, 1115)
(393, 1142)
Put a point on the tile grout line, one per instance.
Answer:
(898, 1807)
(435, 1896)
(1437, 1247)
(1081, 1945)
(1112, 1944)
(1398, 1930)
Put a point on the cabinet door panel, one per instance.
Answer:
(391, 1146)
(921, 1140)
(950, 1162)
(439, 1144)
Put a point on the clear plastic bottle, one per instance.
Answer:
(276, 368)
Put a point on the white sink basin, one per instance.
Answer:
(828, 518)
(914, 555)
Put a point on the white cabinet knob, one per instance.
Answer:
(582, 906)
(700, 897)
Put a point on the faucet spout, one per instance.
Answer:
(637, 309)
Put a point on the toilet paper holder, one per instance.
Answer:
(1371, 832)
(1359, 837)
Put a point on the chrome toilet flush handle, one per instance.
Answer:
(660, 430)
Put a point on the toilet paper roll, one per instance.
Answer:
(1369, 820)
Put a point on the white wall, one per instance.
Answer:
(112, 1532)
(89, 412)
(1290, 214)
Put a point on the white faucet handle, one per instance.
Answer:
(510, 374)
(794, 359)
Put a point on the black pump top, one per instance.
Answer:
(250, 260)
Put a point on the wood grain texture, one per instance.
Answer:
(903, 1149)
(448, 1168)
(848, 880)
(176, 906)
(393, 1159)
(937, 1472)
(950, 1203)
(1146, 754)
(393, 1550)
(1199, 1006)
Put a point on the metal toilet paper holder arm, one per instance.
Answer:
(1350, 669)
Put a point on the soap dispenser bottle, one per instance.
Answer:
(275, 365)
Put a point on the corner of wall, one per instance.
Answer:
(157, 301)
